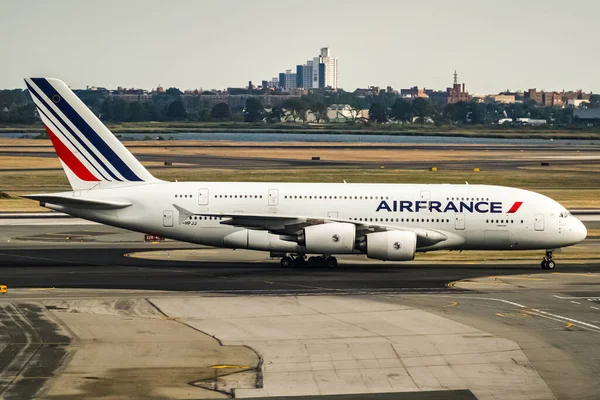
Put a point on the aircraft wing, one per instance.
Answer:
(287, 224)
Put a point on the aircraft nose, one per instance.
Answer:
(578, 230)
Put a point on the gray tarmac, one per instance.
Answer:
(554, 317)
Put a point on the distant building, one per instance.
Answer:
(370, 91)
(304, 75)
(588, 115)
(346, 113)
(574, 95)
(552, 99)
(576, 103)
(319, 73)
(457, 92)
(307, 75)
(130, 95)
(437, 96)
(532, 95)
(96, 88)
(503, 98)
(300, 76)
(325, 70)
(531, 121)
(288, 80)
(413, 93)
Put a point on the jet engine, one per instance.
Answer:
(391, 245)
(331, 238)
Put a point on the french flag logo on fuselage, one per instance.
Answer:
(515, 207)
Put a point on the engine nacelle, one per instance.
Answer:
(331, 238)
(392, 245)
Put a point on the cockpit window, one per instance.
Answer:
(564, 214)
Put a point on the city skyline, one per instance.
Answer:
(536, 44)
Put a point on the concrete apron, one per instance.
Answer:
(342, 345)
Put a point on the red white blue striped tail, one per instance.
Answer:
(91, 155)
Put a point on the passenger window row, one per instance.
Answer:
(467, 198)
(238, 196)
(438, 220)
(326, 197)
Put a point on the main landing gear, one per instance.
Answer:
(300, 260)
(548, 261)
(296, 261)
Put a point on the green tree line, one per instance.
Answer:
(16, 106)
(421, 110)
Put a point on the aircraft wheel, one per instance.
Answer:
(544, 264)
(331, 262)
(286, 262)
(550, 264)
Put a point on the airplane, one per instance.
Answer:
(390, 222)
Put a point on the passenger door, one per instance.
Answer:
(168, 218)
(538, 222)
(273, 197)
(459, 221)
(202, 197)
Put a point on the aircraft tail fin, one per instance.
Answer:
(90, 154)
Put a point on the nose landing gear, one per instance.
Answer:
(548, 261)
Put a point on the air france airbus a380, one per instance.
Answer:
(384, 221)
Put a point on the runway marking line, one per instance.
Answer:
(502, 279)
(230, 367)
(508, 277)
(512, 314)
(564, 319)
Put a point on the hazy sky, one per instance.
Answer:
(494, 45)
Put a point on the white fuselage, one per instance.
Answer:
(470, 216)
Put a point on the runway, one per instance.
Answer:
(108, 268)
(573, 155)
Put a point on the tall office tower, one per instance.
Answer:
(300, 76)
(325, 70)
(308, 75)
(282, 80)
(287, 80)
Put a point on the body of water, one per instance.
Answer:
(335, 138)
